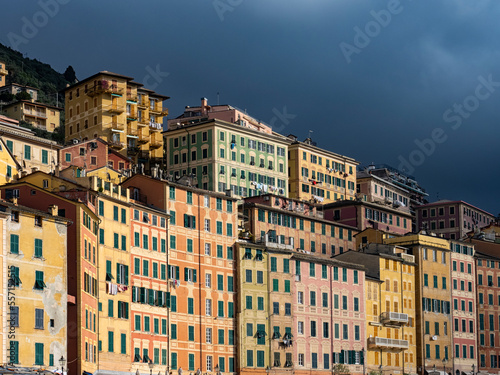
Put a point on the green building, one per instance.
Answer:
(222, 156)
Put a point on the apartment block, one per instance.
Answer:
(200, 247)
(433, 315)
(41, 116)
(319, 175)
(223, 156)
(390, 306)
(78, 204)
(370, 215)
(35, 262)
(31, 153)
(279, 222)
(452, 219)
(15, 88)
(463, 294)
(120, 111)
(328, 315)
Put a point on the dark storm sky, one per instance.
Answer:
(380, 81)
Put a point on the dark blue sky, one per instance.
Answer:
(380, 81)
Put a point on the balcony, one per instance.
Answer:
(383, 343)
(116, 143)
(104, 87)
(155, 126)
(276, 242)
(144, 103)
(407, 257)
(155, 143)
(115, 108)
(132, 131)
(131, 96)
(28, 112)
(116, 126)
(131, 151)
(132, 116)
(3, 72)
(393, 318)
(141, 121)
(143, 139)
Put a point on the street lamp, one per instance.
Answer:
(151, 365)
(62, 361)
(444, 365)
(473, 369)
(434, 369)
(216, 369)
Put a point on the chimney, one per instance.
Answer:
(54, 210)
(204, 106)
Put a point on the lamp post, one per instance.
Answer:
(151, 365)
(62, 361)
(444, 365)
(216, 369)
(473, 369)
(364, 355)
(434, 369)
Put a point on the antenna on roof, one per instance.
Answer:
(310, 132)
(217, 98)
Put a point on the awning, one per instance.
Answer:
(87, 373)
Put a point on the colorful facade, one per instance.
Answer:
(452, 219)
(36, 329)
(280, 222)
(328, 315)
(224, 156)
(41, 116)
(463, 294)
(31, 153)
(320, 175)
(78, 205)
(118, 110)
(390, 310)
(432, 299)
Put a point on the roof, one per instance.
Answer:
(347, 203)
(34, 103)
(230, 125)
(447, 202)
(19, 131)
(18, 207)
(319, 149)
(486, 247)
(111, 74)
(330, 261)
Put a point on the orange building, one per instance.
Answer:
(200, 260)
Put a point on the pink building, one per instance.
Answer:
(328, 314)
(223, 112)
(91, 155)
(463, 294)
(453, 219)
(362, 215)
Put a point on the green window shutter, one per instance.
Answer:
(189, 245)
(230, 310)
(173, 331)
(38, 353)
(137, 239)
(124, 216)
(155, 270)
(173, 303)
(191, 362)
(155, 243)
(190, 306)
(111, 339)
(230, 284)
(163, 272)
(145, 242)
(14, 244)
(38, 248)
(45, 157)
(27, 152)
(137, 266)
(115, 213)
(124, 243)
(123, 346)
(110, 308)
(163, 245)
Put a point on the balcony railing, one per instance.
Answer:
(408, 257)
(102, 87)
(116, 126)
(382, 342)
(155, 125)
(394, 317)
(154, 143)
(276, 242)
(143, 138)
(132, 116)
(143, 103)
(28, 112)
(141, 121)
(3, 72)
(131, 130)
(132, 97)
(115, 143)
(115, 108)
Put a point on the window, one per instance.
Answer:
(38, 354)
(39, 313)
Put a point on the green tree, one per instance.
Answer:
(23, 95)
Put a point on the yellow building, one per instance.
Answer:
(254, 326)
(42, 116)
(114, 272)
(3, 74)
(433, 311)
(118, 110)
(390, 307)
(31, 153)
(36, 260)
(318, 174)
(8, 164)
(371, 235)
